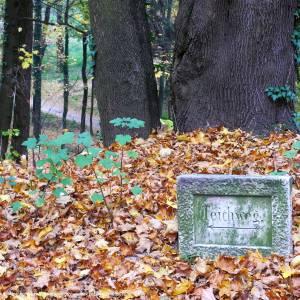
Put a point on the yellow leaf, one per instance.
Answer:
(158, 74)
(183, 138)
(224, 130)
(148, 270)
(162, 272)
(43, 295)
(45, 231)
(134, 212)
(4, 198)
(80, 207)
(25, 65)
(286, 271)
(101, 244)
(2, 270)
(183, 287)
(60, 261)
(105, 293)
(296, 261)
(200, 139)
(171, 203)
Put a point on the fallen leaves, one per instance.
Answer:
(68, 246)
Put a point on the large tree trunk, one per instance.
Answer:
(125, 83)
(227, 53)
(16, 80)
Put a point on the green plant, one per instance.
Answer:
(108, 167)
(291, 155)
(277, 93)
(9, 134)
(167, 123)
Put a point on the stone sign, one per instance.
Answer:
(233, 214)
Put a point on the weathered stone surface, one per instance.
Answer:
(233, 214)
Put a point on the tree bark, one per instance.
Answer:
(125, 82)
(16, 81)
(66, 68)
(59, 40)
(85, 83)
(92, 107)
(39, 46)
(227, 53)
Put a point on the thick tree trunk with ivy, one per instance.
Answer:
(16, 80)
(125, 84)
(227, 54)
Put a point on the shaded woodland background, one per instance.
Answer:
(82, 63)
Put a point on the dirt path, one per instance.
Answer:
(53, 103)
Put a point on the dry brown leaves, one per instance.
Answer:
(67, 249)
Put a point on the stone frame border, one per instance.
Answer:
(277, 187)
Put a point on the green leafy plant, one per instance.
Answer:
(292, 156)
(105, 165)
(277, 93)
(9, 134)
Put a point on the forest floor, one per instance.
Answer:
(68, 249)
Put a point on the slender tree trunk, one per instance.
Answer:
(66, 67)
(92, 107)
(161, 93)
(37, 72)
(39, 48)
(125, 82)
(16, 81)
(227, 53)
(59, 41)
(85, 83)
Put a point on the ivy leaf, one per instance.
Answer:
(57, 156)
(278, 173)
(123, 139)
(97, 198)
(136, 190)
(94, 151)
(31, 143)
(116, 172)
(67, 181)
(135, 123)
(16, 206)
(85, 139)
(132, 154)
(59, 192)
(2, 180)
(107, 163)
(43, 139)
(39, 202)
(66, 138)
(296, 145)
(83, 160)
(42, 162)
(116, 122)
(109, 154)
(290, 153)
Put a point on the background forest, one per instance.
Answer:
(62, 63)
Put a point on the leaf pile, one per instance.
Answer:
(68, 248)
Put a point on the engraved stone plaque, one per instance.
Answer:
(233, 214)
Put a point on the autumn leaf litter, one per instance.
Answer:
(68, 248)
